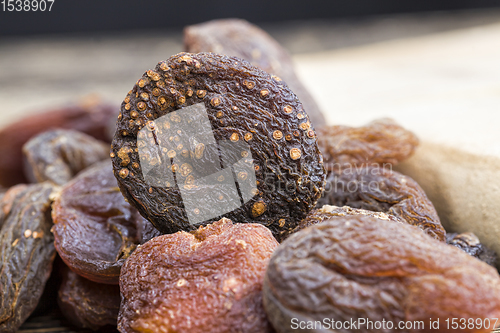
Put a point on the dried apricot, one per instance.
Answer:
(88, 304)
(383, 190)
(91, 116)
(94, 228)
(185, 159)
(380, 142)
(469, 243)
(366, 271)
(58, 155)
(26, 251)
(326, 212)
(209, 280)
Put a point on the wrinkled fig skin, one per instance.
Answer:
(382, 190)
(381, 142)
(209, 280)
(363, 267)
(90, 116)
(58, 155)
(469, 243)
(26, 252)
(239, 38)
(94, 228)
(327, 212)
(88, 304)
(244, 105)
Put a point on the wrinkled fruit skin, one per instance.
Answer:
(363, 267)
(469, 243)
(382, 190)
(209, 280)
(88, 304)
(91, 116)
(94, 228)
(26, 251)
(245, 106)
(58, 155)
(146, 230)
(326, 212)
(239, 38)
(381, 142)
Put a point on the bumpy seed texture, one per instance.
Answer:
(58, 155)
(91, 116)
(469, 243)
(239, 38)
(361, 267)
(26, 251)
(277, 178)
(327, 212)
(94, 228)
(209, 280)
(382, 141)
(382, 190)
(88, 304)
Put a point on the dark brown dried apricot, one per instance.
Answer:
(356, 269)
(239, 38)
(90, 116)
(326, 212)
(88, 304)
(197, 140)
(209, 280)
(383, 190)
(380, 142)
(146, 230)
(94, 228)
(58, 155)
(469, 243)
(26, 251)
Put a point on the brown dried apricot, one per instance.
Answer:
(239, 38)
(94, 228)
(196, 141)
(364, 271)
(469, 243)
(209, 280)
(26, 251)
(90, 116)
(380, 142)
(326, 212)
(58, 155)
(382, 190)
(88, 304)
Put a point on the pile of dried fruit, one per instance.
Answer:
(213, 163)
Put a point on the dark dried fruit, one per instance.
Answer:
(91, 116)
(469, 243)
(197, 125)
(382, 190)
(239, 38)
(360, 267)
(88, 304)
(327, 212)
(26, 252)
(382, 141)
(209, 280)
(94, 228)
(58, 155)
(146, 230)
